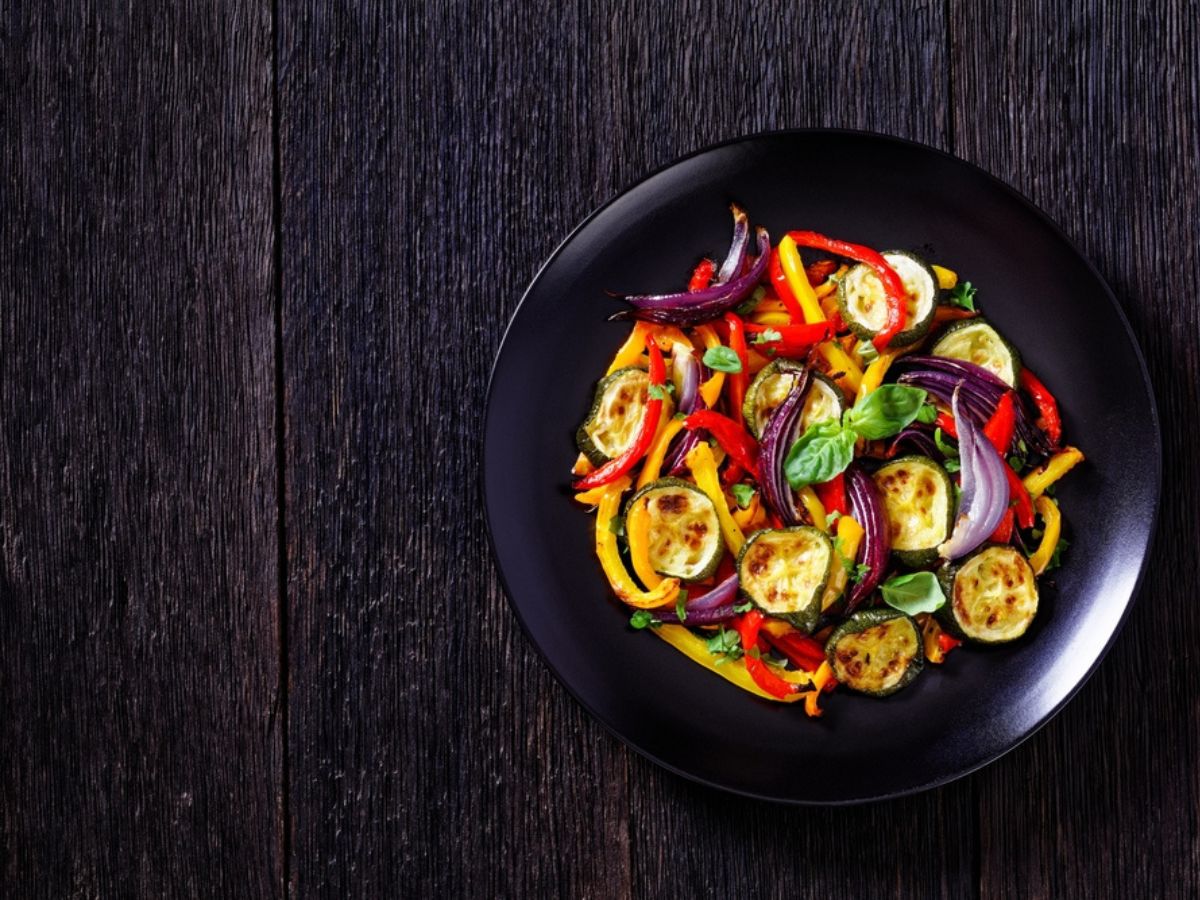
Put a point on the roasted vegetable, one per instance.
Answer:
(784, 571)
(684, 539)
(918, 504)
(876, 651)
(992, 596)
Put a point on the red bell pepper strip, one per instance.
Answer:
(945, 421)
(897, 297)
(738, 380)
(1000, 427)
(804, 652)
(947, 642)
(733, 473)
(832, 494)
(779, 282)
(794, 334)
(819, 271)
(1018, 496)
(1047, 406)
(701, 275)
(1003, 532)
(618, 466)
(748, 626)
(731, 435)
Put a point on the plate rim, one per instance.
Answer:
(1110, 296)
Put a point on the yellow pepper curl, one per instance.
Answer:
(1052, 525)
(711, 389)
(1055, 468)
(704, 470)
(637, 534)
(622, 584)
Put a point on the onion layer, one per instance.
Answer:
(984, 487)
(867, 510)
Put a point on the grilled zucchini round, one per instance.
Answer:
(685, 533)
(784, 572)
(918, 505)
(977, 341)
(616, 416)
(876, 651)
(774, 382)
(992, 595)
(863, 300)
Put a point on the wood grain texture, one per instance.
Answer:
(138, 544)
(1092, 112)
(432, 158)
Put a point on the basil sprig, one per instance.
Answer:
(827, 448)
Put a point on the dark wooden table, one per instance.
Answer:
(255, 261)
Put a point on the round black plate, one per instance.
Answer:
(1033, 284)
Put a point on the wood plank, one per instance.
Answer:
(1091, 112)
(432, 158)
(430, 161)
(138, 541)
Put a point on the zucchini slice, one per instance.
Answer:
(784, 572)
(616, 415)
(685, 534)
(774, 382)
(977, 341)
(918, 505)
(992, 595)
(876, 651)
(863, 301)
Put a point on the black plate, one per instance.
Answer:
(1033, 284)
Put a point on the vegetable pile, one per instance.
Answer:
(821, 474)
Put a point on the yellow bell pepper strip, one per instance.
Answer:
(946, 278)
(666, 336)
(1052, 523)
(744, 518)
(770, 318)
(839, 361)
(622, 584)
(814, 506)
(696, 649)
(618, 466)
(797, 280)
(711, 389)
(830, 285)
(936, 642)
(582, 465)
(1055, 468)
(630, 353)
(873, 377)
(704, 470)
(652, 467)
(850, 535)
(592, 497)
(637, 534)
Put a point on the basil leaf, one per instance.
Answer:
(641, 619)
(766, 336)
(722, 359)
(963, 296)
(917, 592)
(743, 607)
(940, 439)
(743, 494)
(927, 414)
(866, 350)
(885, 411)
(822, 452)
